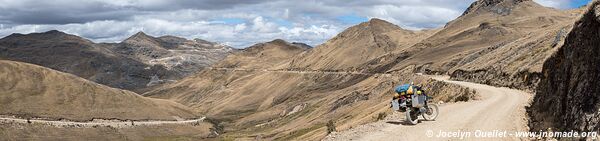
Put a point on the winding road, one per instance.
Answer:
(498, 110)
(303, 71)
(99, 122)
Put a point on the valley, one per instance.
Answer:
(511, 65)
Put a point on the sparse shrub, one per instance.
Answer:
(217, 128)
(331, 127)
(196, 123)
(381, 116)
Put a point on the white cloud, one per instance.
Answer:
(414, 17)
(560, 4)
(261, 26)
(240, 27)
(239, 35)
(309, 21)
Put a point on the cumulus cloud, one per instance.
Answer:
(239, 23)
(561, 4)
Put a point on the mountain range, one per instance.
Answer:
(501, 43)
(279, 90)
(135, 64)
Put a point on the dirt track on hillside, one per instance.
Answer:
(302, 71)
(99, 122)
(499, 109)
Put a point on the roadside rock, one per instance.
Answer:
(524, 80)
(568, 96)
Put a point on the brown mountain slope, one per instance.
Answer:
(501, 47)
(263, 55)
(570, 86)
(75, 55)
(287, 105)
(356, 45)
(516, 62)
(32, 91)
(497, 42)
(110, 64)
(275, 104)
(254, 58)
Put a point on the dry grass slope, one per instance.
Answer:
(262, 55)
(353, 47)
(33, 91)
(290, 105)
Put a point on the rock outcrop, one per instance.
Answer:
(178, 55)
(568, 97)
(501, 7)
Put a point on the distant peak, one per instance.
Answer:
(54, 32)
(278, 41)
(302, 45)
(288, 45)
(50, 32)
(376, 21)
(139, 36)
(496, 2)
(281, 42)
(374, 25)
(51, 35)
(502, 7)
(14, 35)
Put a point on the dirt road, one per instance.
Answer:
(302, 71)
(499, 109)
(99, 122)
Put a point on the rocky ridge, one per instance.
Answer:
(567, 97)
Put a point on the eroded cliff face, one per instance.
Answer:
(568, 95)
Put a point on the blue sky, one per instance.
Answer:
(352, 19)
(238, 23)
(579, 3)
(563, 4)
